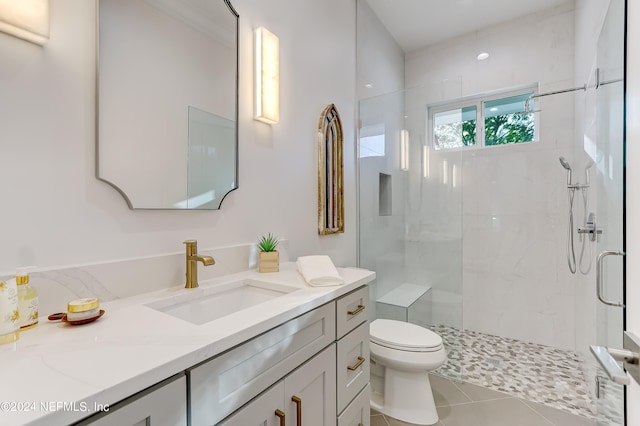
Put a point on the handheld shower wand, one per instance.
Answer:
(571, 253)
(589, 223)
(585, 262)
(567, 167)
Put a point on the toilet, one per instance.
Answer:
(402, 354)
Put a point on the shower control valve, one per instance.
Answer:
(590, 227)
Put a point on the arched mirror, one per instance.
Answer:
(330, 173)
(168, 101)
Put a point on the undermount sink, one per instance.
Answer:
(205, 304)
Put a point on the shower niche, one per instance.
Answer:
(385, 195)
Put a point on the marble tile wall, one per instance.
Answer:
(492, 236)
(129, 277)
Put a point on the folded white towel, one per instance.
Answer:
(319, 271)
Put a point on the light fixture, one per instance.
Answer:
(404, 150)
(267, 76)
(482, 56)
(25, 19)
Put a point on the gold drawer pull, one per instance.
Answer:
(356, 311)
(356, 365)
(298, 402)
(280, 414)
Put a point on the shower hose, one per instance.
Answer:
(585, 262)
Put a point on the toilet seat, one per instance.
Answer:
(404, 336)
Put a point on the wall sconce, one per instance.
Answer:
(404, 150)
(267, 76)
(25, 19)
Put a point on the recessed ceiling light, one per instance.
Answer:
(368, 86)
(483, 56)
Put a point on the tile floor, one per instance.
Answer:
(530, 371)
(492, 380)
(465, 404)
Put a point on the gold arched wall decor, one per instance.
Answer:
(330, 174)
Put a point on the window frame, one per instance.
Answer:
(478, 101)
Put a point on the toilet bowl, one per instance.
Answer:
(402, 354)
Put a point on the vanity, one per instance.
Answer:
(289, 353)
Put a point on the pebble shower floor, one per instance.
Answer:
(534, 372)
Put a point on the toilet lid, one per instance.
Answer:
(403, 335)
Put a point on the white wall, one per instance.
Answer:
(56, 213)
(380, 60)
(513, 199)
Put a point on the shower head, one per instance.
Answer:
(566, 165)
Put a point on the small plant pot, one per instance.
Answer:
(268, 261)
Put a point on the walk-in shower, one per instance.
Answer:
(492, 245)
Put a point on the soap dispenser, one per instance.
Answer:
(9, 316)
(27, 299)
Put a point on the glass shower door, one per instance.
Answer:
(608, 187)
(410, 202)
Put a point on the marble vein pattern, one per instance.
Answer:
(79, 282)
(531, 371)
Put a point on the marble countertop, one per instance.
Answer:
(57, 373)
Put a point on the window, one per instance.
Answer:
(501, 119)
(455, 128)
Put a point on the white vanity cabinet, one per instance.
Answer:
(312, 370)
(268, 380)
(306, 397)
(164, 404)
(225, 383)
(358, 412)
(353, 362)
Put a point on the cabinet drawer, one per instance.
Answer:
(222, 385)
(358, 413)
(164, 404)
(351, 310)
(352, 364)
(264, 410)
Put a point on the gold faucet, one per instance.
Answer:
(192, 263)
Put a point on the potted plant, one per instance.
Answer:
(269, 259)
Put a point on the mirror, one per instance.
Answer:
(167, 103)
(330, 173)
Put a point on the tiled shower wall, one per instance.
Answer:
(506, 240)
(485, 228)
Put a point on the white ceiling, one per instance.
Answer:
(418, 23)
